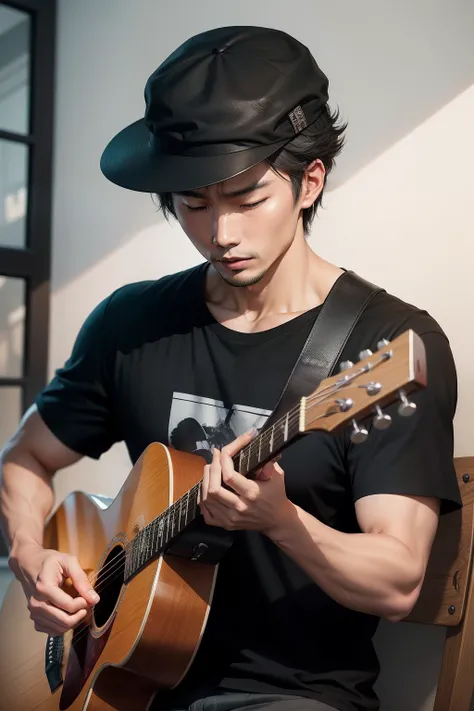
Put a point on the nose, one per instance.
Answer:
(223, 233)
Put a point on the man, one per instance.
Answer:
(237, 143)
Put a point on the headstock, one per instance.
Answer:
(377, 380)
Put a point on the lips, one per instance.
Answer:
(229, 260)
(236, 262)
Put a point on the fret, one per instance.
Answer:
(247, 467)
(186, 512)
(193, 499)
(253, 457)
(156, 542)
(285, 432)
(170, 523)
(144, 546)
(137, 540)
(180, 520)
(271, 438)
(260, 449)
(173, 521)
(164, 530)
(151, 536)
(147, 543)
(161, 544)
(136, 549)
(127, 561)
(142, 556)
(242, 467)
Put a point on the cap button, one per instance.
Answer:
(218, 50)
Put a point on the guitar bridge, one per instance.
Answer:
(53, 661)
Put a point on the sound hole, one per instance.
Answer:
(109, 585)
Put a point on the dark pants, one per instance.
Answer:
(247, 702)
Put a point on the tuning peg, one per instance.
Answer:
(372, 388)
(365, 353)
(406, 407)
(358, 434)
(345, 365)
(381, 420)
(345, 404)
(382, 343)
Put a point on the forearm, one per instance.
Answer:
(26, 498)
(370, 572)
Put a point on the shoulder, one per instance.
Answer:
(170, 287)
(141, 309)
(145, 304)
(387, 316)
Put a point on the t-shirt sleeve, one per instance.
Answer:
(77, 404)
(414, 456)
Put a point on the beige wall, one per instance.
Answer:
(399, 209)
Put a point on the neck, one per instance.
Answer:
(296, 282)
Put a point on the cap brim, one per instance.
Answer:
(133, 161)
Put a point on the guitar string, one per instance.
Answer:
(265, 437)
(115, 567)
(286, 421)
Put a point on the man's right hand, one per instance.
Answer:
(42, 574)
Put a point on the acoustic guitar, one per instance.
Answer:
(154, 562)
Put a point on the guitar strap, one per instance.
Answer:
(334, 323)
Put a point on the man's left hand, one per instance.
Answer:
(258, 505)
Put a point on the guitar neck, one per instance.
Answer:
(154, 538)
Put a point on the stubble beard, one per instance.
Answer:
(244, 281)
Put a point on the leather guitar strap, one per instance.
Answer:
(334, 323)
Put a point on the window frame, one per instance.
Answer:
(32, 263)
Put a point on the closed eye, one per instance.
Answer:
(248, 206)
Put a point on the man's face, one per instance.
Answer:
(244, 225)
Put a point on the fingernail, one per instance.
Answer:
(93, 597)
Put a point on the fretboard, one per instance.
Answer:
(154, 538)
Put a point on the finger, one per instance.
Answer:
(235, 446)
(205, 483)
(278, 469)
(49, 630)
(263, 475)
(225, 497)
(52, 593)
(238, 482)
(215, 475)
(80, 580)
(267, 471)
(51, 615)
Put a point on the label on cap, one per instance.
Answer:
(298, 119)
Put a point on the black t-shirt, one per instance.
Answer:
(152, 364)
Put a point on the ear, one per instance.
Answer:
(313, 183)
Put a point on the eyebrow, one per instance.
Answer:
(234, 193)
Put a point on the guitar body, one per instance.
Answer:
(145, 633)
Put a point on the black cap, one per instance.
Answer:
(222, 102)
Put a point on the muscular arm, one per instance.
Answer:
(379, 571)
(28, 462)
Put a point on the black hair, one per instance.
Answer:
(322, 140)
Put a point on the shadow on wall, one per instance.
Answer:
(391, 66)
